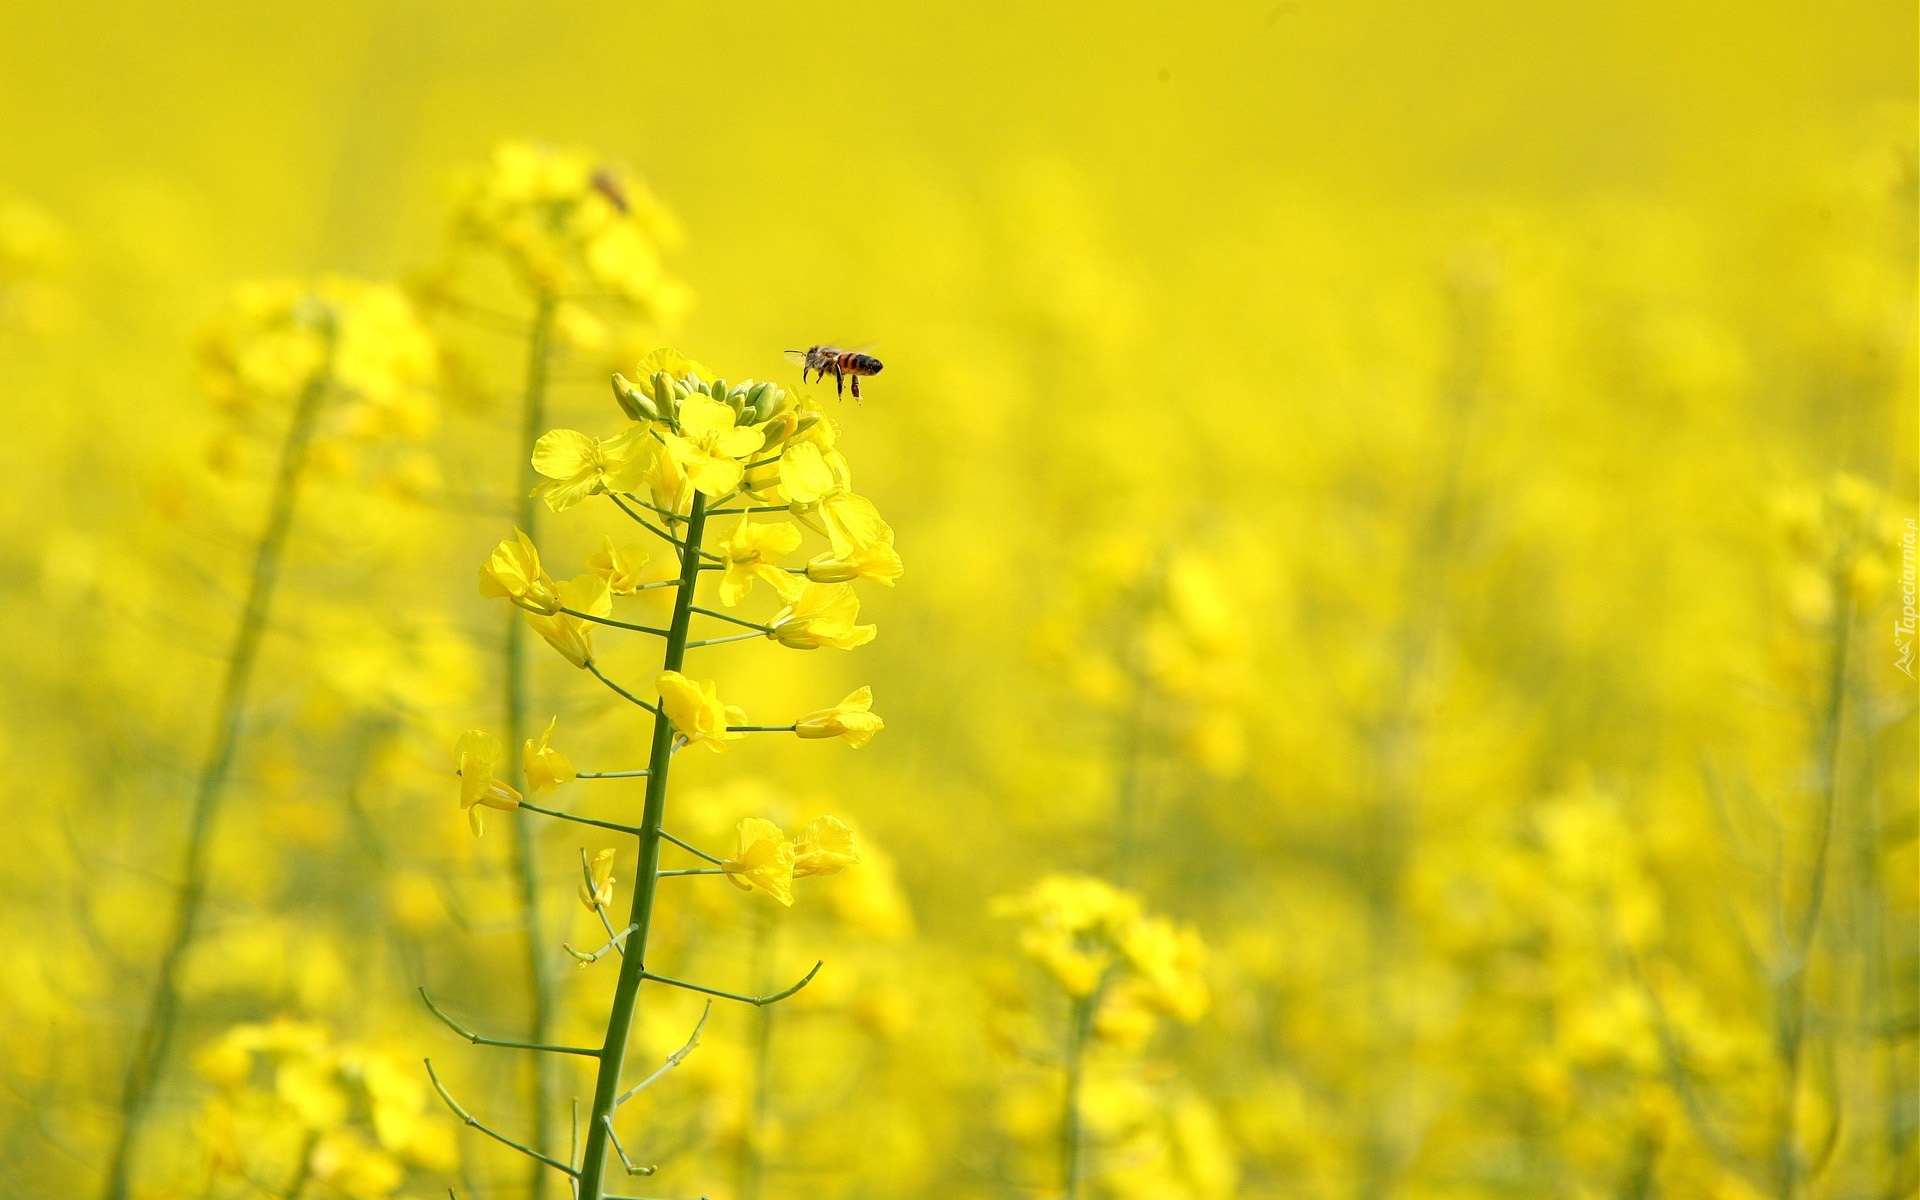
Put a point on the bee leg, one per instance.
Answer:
(856, 389)
(840, 383)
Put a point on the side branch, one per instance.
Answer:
(690, 848)
(658, 532)
(646, 704)
(756, 1001)
(673, 1060)
(717, 615)
(613, 943)
(478, 1040)
(609, 621)
(622, 1150)
(467, 1117)
(554, 812)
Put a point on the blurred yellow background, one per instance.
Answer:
(1420, 495)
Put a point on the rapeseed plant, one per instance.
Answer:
(681, 460)
(324, 362)
(582, 243)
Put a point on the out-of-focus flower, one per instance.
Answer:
(567, 221)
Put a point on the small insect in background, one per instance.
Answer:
(607, 183)
(844, 365)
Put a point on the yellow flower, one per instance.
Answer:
(697, 712)
(823, 614)
(618, 565)
(825, 848)
(513, 571)
(573, 636)
(750, 552)
(547, 768)
(762, 858)
(475, 756)
(578, 466)
(1168, 961)
(1074, 927)
(818, 484)
(850, 719)
(710, 446)
(600, 893)
(878, 562)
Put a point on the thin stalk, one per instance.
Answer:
(526, 865)
(752, 1166)
(646, 704)
(564, 816)
(155, 1039)
(1791, 1005)
(613, 1051)
(1072, 1160)
(303, 1173)
(708, 612)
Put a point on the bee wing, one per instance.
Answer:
(797, 357)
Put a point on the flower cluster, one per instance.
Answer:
(33, 248)
(694, 453)
(363, 341)
(1844, 542)
(1095, 941)
(568, 222)
(291, 1102)
(764, 858)
(1151, 636)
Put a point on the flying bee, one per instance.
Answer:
(607, 183)
(846, 366)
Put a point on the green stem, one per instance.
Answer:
(613, 1050)
(752, 1162)
(155, 1039)
(1072, 1166)
(526, 865)
(297, 1186)
(1791, 1004)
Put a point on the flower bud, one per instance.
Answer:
(666, 397)
(780, 427)
(632, 401)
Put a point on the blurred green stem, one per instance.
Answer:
(155, 1039)
(1072, 1165)
(751, 1166)
(1791, 992)
(526, 864)
(613, 1050)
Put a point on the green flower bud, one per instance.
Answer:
(632, 401)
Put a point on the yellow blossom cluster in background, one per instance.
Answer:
(1386, 672)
